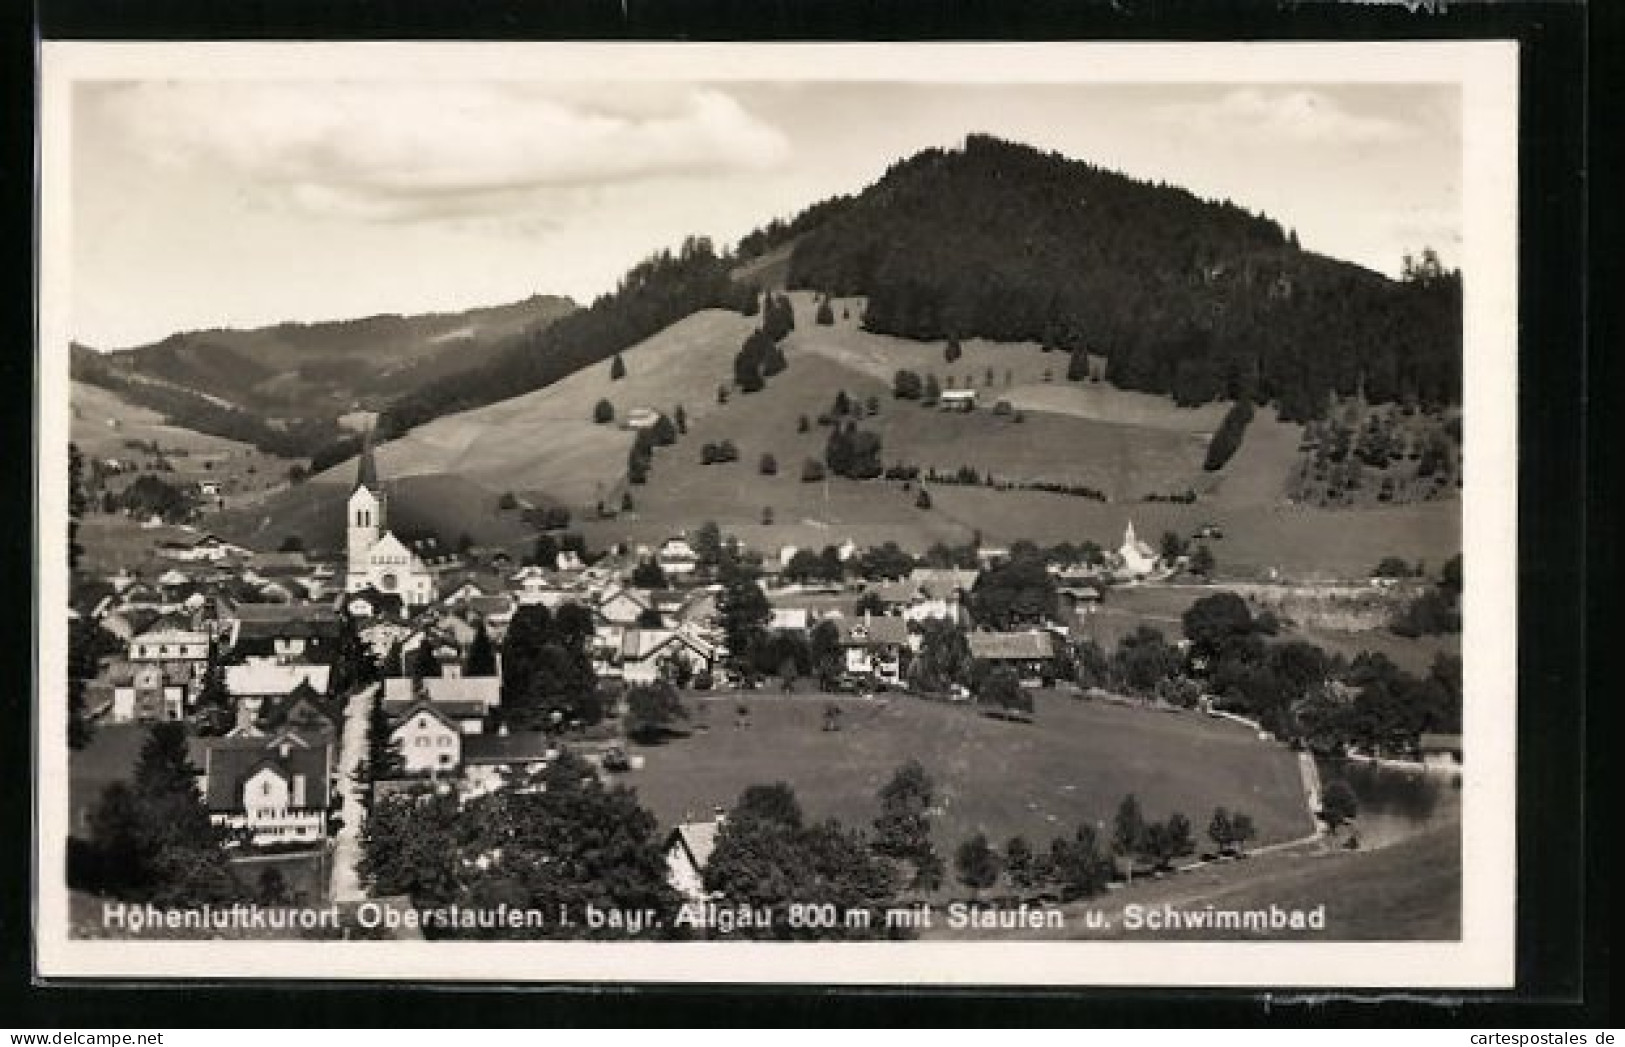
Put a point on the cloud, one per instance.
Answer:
(1285, 115)
(402, 151)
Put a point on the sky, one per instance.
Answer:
(242, 202)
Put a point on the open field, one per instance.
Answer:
(104, 425)
(1041, 780)
(1410, 891)
(546, 440)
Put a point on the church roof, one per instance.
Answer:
(366, 471)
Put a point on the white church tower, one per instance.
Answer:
(365, 519)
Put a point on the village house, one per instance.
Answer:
(688, 850)
(873, 647)
(193, 546)
(488, 758)
(372, 602)
(168, 644)
(1031, 654)
(275, 790)
(303, 633)
(465, 701)
(957, 400)
(646, 654)
(262, 678)
(639, 418)
(677, 558)
(1440, 752)
(145, 692)
(428, 740)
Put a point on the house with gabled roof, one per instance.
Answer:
(464, 700)
(688, 850)
(1031, 653)
(276, 790)
(873, 646)
(429, 741)
(645, 652)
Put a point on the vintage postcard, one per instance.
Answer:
(837, 514)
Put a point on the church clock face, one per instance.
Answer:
(388, 582)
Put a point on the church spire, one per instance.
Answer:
(366, 473)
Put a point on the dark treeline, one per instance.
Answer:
(653, 295)
(1183, 296)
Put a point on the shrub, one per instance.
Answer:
(812, 471)
(1227, 438)
(603, 412)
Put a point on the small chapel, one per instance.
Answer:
(377, 558)
(1138, 559)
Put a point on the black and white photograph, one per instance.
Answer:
(885, 513)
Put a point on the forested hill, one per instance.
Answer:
(1182, 296)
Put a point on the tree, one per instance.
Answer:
(1338, 805)
(1391, 567)
(1201, 562)
(952, 351)
(903, 829)
(1213, 623)
(765, 857)
(1129, 828)
(1173, 546)
(1001, 692)
(933, 390)
(627, 504)
(977, 864)
(906, 385)
(482, 655)
(768, 465)
(384, 760)
(1077, 866)
(681, 417)
(1220, 829)
(617, 368)
(744, 612)
(649, 575)
(424, 663)
(776, 803)
(507, 502)
(154, 838)
(826, 315)
(1169, 840)
(824, 648)
(1021, 863)
(1020, 591)
(944, 658)
(603, 412)
(812, 471)
(653, 711)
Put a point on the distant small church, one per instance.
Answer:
(376, 557)
(1138, 558)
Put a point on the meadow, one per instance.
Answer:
(1071, 766)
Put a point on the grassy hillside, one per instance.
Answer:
(104, 422)
(445, 505)
(1129, 445)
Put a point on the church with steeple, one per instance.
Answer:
(377, 558)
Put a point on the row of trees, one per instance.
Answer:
(1294, 689)
(1226, 440)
